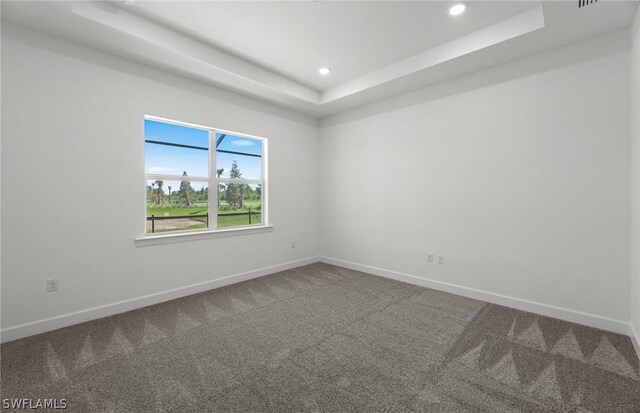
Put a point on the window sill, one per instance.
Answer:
(193, 236)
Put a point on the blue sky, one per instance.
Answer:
(162, 159)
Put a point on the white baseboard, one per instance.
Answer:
(591, 320)
(54, 323)
(635, 339)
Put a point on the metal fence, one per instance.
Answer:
(154, 218)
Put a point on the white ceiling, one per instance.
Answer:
(353, 38)
(271, 50)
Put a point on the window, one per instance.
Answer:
(202, 179)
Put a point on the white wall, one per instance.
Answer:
(73, 179)
(635, 190)
(518, 175)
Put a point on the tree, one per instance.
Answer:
(159, 191)
(259, 192)
(235, 192)
(221, 187)
(151, 193)
(185, 189)
(235, 171)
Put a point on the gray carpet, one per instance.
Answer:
(325, 339)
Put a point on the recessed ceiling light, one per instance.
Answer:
(457, 9)
(324, 70)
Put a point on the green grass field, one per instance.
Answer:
(226, 218)
(237, 220)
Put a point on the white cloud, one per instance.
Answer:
(243, 142)
(160, 170)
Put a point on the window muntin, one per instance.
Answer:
(180, 169)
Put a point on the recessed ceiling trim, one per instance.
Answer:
(119, 31)
(183, 53)
(186, 54)
(511, 28)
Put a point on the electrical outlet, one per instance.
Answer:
(52, 284)
(440, 259)
(430, 257)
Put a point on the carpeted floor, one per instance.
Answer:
(325, 339)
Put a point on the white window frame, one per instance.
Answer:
(213, 181)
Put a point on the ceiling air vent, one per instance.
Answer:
(583, 3)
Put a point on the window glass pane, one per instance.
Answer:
(163, 157)
(170, 133)
(239, 204)
(168, 160)
(238, 157)
(177, 206)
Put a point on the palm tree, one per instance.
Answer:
(221, 187)
(159, 193)
(185, 189)
(169, 188)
